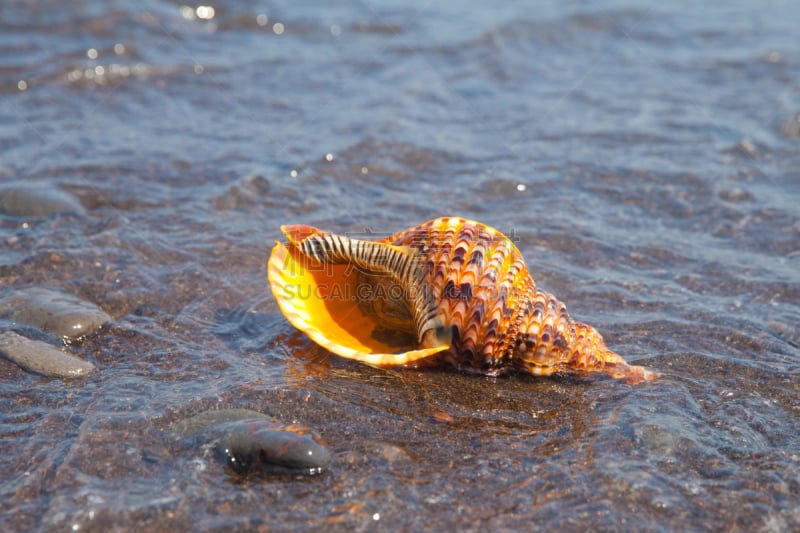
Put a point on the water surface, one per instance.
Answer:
(642, 155)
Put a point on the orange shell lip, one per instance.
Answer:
(298, 232)
(321, 300)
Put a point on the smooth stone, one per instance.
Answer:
(53, 312)
(259, 443)
(36, 200)
(248, 440)
(246, 193)
(42, 358)
(745, 147)
(791, 128)
(389, 452)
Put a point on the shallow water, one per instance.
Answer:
(642, 155)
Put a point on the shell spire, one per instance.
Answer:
(447, 292)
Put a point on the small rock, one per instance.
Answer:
(259, 443)
(36, 200)
(735, 195)
(246, 193)
(791, 128)
(53, 312)
(42, 358)
(785, 331)
(745, 147)
(387, 451)
(248, 440)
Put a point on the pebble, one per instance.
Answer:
(257, 442)
(42, 358)
(248, 440)
(387, 451)
(745, 147)
(54, 312)
(246, 193)
(791, 128)
(36, 200)
(735, 195)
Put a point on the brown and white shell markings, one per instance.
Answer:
(447, 292)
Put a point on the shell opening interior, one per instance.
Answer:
(322, 301)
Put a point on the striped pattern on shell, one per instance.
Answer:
(447, 292)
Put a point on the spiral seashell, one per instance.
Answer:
(447, 292)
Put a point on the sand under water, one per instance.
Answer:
(643, 157)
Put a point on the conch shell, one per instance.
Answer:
(447, 292)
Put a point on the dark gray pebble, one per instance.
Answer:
(246, 193)
(53, 312)
(259, 443)
(791, 128)
(36, 200)
(42, 358)
(247, 440)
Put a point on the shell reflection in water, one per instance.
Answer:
(447, 292)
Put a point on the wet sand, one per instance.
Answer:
(643, 160)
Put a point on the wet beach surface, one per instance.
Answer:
(645, 160)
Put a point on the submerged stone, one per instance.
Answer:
(36, 200)
(248, 440)
(54, 312)
(791, 128)
(246, 193)
(42, 358)
(259, 443)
